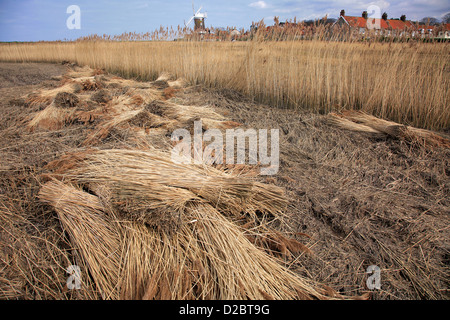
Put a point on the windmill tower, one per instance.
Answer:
(199, 19)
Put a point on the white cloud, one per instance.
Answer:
(258, 4)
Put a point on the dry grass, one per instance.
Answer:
(405, 82)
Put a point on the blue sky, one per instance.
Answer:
(34, 20)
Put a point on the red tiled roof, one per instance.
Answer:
(409, 24)
(400, 25)
(378, 23)
(447, 26)
(360, 22)
(397, 24)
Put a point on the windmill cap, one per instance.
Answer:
(201, 15)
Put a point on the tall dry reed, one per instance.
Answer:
(403, 82)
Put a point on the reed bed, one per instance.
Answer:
(404, 82)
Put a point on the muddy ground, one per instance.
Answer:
(362, 201)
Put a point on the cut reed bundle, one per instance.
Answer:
(207, 258)
(388, 127)
(426, 137)
(178, 84)
(116, 81)
(94, 234)
(343, 123)
(130, 107)
(183, 116)
(81, 72)
(46, 96)
(52, 118)
(184, 113)
(151, 180)
(363, 122)
(120, 109)
(218, 262)
(187, 115)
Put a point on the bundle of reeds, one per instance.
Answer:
(341, 122)
(147, 95)
(66, 100)
(186, 115)
(149, 180)
(162, 81)
(93, 233)
(363, 122)
(178, 83)
(101, 96)
(119, 110)
(46, 96)
(177, 237)
(32, 259)
(270, 71)
(208, 257)
(388, 127)
(52, 118)
(82, 72)
(123, 106)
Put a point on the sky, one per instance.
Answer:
(34, 20)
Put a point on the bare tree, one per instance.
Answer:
(430, 21)
(446, 18)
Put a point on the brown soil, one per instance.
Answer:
(361, 200)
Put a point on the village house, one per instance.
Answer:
(425, 30)
(354, 26)
(445, 33)
(384, 26)
(441, 32)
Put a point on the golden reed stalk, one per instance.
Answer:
(404, 82)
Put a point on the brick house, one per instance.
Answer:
(383, 26)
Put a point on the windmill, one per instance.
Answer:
(199, 19)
